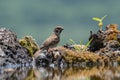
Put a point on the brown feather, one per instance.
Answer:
(53, 40)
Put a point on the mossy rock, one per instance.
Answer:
(71, 56)
(29, 43)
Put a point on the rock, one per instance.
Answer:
(110, 47)
(110, 53)
(11, 52)
(69, 46)
(29, 43)
(76, 47)
(100, 38)
(40, 58)
(97, 41)
(61, 57)
(112, 32)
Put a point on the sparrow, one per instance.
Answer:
(52, 40)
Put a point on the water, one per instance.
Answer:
(71, 73)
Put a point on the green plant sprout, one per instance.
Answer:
(77, 47)
(71, 41)
(74, 43)
(100, 21)
(87, 45)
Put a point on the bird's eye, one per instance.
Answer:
(57, 31)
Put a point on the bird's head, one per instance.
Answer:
(58, 30)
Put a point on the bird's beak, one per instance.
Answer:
(62, 28)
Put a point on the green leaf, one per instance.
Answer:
(96, 19)
(72, 41)
(103, 17)
(88, 43)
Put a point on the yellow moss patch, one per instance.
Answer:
(29, 43)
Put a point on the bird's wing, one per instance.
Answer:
(53, 39)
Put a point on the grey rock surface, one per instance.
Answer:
(11, 52)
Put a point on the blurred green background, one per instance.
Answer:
(38, 17)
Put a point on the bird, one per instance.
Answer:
(53, 39)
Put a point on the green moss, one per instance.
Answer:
(29, 43)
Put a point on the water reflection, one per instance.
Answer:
(14, 73)
(72, 73)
